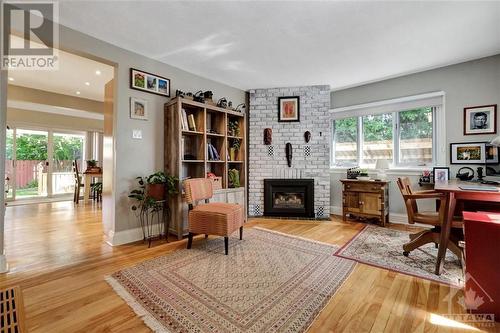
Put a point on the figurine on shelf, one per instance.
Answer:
(222, 103)
(199, 97)
(240, 107)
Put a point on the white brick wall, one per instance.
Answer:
(263, 113)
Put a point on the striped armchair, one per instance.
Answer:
(217, 218)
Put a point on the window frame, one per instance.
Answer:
(438, 137)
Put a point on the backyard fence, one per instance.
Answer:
(26, 171)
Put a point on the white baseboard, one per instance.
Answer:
(393, 217)
(126, 236)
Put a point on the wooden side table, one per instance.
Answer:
(366, 199)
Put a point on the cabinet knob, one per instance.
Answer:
(376, 188)
(348, 186)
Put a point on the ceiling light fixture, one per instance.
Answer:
(87, 83)
(78, 93)
(11, 79)
(97, 72)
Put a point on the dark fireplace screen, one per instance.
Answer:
(289, 197)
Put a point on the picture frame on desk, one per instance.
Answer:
(441, 174)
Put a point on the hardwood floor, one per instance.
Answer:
(57, 255)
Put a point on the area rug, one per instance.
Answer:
(269, 282)
(383, 247)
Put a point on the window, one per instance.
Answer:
(404, 137)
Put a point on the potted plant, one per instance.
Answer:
(235, 147)
(139, 194)
(91, 164)
(234, 178)
(143, 194)
(158, 182)
(233, 128)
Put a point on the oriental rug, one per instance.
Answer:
(383, 247)
(269, 282)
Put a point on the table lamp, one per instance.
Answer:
(381, 166)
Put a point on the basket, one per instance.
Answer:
(216, 183)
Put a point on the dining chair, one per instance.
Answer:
(217, 218)
(432, 218)
(78, 182)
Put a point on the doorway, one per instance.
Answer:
(39, 162)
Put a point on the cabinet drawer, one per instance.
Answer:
(363, 187)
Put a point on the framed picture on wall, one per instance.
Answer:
(492, 153)
(441, 174)
(148, 82)
(468, 153)
(480, 120)
(289, 109)
(138, 108)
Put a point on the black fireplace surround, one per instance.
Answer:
(289, 197)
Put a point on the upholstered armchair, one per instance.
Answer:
(217, 218)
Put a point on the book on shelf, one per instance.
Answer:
(184, 121)
(213, 155)
(191, 123)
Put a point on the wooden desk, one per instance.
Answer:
(87, 182)
(453, 193)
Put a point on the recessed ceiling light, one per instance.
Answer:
(97, 72)
(78, 93)
(87, 83)
(11, 79)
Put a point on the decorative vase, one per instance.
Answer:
(156, 191)
(232, 154)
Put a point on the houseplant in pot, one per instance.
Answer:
(233, 128)
(234, 148)
(158, 183)
(234, 178)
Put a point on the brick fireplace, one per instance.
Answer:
(310, 160)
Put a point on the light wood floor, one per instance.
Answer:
(57, 255)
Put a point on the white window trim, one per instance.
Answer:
(436, 99)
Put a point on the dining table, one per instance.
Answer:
(454, 191)
(89, 177)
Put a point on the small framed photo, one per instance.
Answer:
(148, 82)
(289, 109)
(441, 174)
(138, 108)
(480, 120)
(468, 153)
(492, 153)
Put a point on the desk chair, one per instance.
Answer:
(434, 219)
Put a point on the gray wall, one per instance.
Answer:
(467, 84)
(136, 157)
(314, 106)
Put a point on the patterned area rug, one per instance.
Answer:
(383, 247)
(269, 282)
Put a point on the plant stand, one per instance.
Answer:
(158, 212)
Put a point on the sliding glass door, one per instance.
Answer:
(39, 162)
(67, 148)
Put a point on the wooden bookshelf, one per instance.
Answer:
(186, 152)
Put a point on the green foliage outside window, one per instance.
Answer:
(34, 147)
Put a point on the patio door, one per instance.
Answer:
(39, 162)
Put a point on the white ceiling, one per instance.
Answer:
(74, 71)
(268, 44)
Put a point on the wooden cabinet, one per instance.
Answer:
(369, 199)
(187, 152)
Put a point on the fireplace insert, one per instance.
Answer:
(289, 197)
